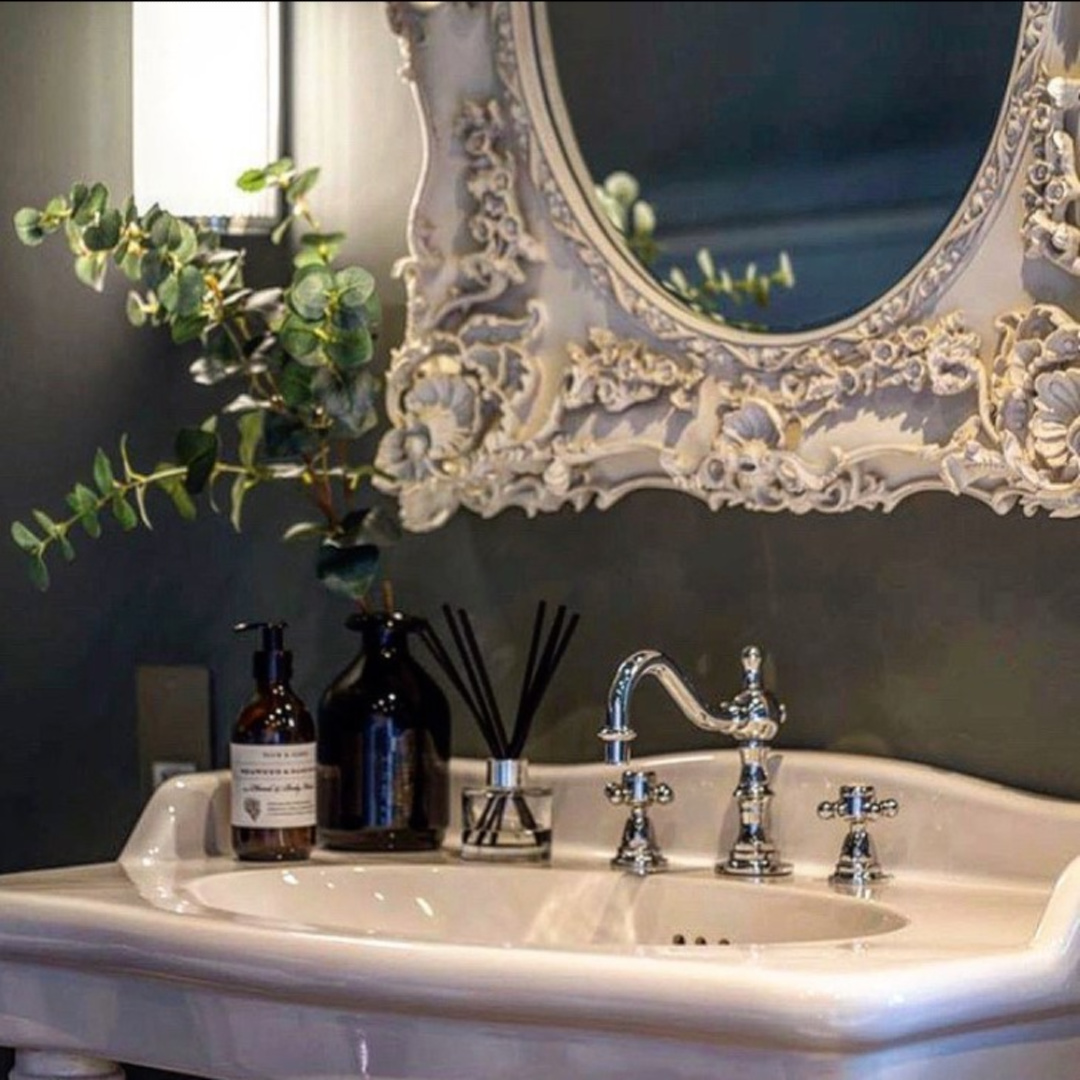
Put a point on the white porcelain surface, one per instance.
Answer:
(552, 909)
(965, 963)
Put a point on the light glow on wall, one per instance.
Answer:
(206, 86)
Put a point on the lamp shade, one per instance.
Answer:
(206, 86)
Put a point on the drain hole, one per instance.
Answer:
(699, 939)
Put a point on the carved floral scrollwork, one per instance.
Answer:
(1052, 191)
(1034, 413)
(497, 399)
(460, 386)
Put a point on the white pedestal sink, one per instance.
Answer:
(963, 964)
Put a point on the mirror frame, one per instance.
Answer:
(543, 367)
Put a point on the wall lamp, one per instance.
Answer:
(206, 88)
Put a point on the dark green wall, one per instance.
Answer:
(941, 633)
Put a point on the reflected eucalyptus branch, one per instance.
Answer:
(709, 289)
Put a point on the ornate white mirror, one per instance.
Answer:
(544, 365)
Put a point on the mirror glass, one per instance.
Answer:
(842, 134)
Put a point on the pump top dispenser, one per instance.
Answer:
(272, 758)
(273, 662)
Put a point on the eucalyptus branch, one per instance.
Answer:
(712, 290)
(301, 354)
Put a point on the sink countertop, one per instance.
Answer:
(989, 937)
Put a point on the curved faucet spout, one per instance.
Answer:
(754, 715)
(617, 734)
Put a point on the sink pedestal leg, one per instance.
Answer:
(61, 1065)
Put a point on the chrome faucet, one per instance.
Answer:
(752, 718)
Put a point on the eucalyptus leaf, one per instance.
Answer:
(302, 184)
(124, 512)
(369, 526)
(351, 404)
(321, 240)
(85, 500)
(136, 313)
(78, 196)
(87, 208)
(104, 235)
(285, 437)
(299, 340)
(310, 292)
(39, 573)
(173, 486)
(252, 180)
(294, 383)
(67, 549)
(47, 524)
(197, 451)
(348, 571)
(351, 350)
(188, 328)
(355, 287)
(280, 229)
(103, 472)
(250, 426)
(264, 301)
(28, 226)
(240, 487)
(168, 292)
(190, 292)
(308, 257)
(24, 537)
(208, 370)
(187, 241)
(91, 524)
(304, 530)
(90, 269)
(154, 268)
(165, 231)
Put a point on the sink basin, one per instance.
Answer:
(963, 965)
(548, 908)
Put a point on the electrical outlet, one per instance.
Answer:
(173, 705)
(160, 771)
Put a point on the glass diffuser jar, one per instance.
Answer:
(507, 818)
(383, 746)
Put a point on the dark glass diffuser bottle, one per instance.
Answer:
(272, 759)
(384, 746)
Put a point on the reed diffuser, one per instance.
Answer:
(506, 817)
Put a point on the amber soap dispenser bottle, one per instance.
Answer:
(272, 759)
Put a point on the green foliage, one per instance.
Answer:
(708, 289)
(299, 355)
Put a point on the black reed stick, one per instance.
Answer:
(483, 717)
(521, 717)
(485, 682)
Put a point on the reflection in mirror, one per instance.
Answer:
(844, 134)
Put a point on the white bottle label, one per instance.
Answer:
(273, 787)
